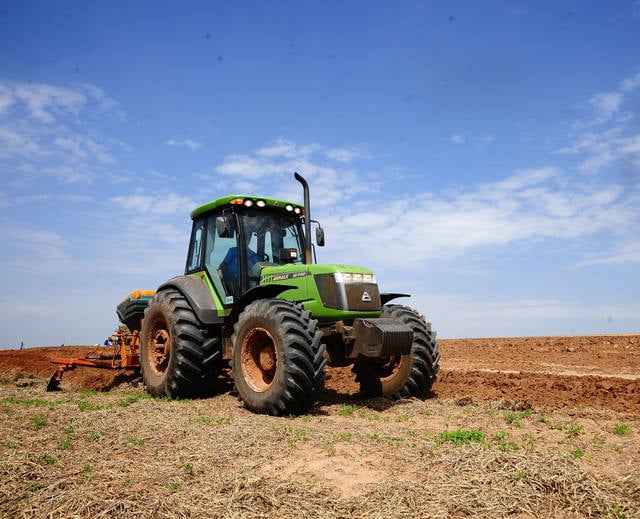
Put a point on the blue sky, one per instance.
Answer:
(482, 156)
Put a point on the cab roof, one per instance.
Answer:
(257, 202)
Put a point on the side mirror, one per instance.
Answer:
(223, 227)
(319, 236)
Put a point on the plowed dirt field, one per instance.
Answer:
(514, 427)
(580, 371)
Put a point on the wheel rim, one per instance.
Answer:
(160, 351)
(259, 359)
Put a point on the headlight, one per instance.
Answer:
(354, 277)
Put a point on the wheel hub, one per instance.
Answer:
(259, 359)
(160, 352)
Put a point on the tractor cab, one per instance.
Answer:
(235, 238)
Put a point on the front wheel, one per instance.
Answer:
(277, 360)
(402, 376)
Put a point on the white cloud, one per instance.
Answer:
(18, 142)
(628, 252)
(36, 248)
(158, 204)
(283, 148)
(282, 158)
(617, 143)
(52, 130)
(185, 143)
(606, 105)
(244, 166)
(478, 141)
(45, 102)
(528, 207)
(6, 98)
(629, 84)
(71, 145)
(520, 180)
(601, 150)
(69, 173)
(630, 145)
(346, 155)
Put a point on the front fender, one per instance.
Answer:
(385, 298)
(251, 295)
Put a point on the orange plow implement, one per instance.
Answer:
(125, 354)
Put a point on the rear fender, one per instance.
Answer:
(196, 292)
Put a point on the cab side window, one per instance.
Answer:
(194, 261)
(217, 251)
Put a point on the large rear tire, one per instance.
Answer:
(178, 357)
(402, 376)
(277, 360)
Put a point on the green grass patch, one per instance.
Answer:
(133, 440)
(93, 436)
(347, 409)
(574, 429)
(132, 399)
(461, 436)
(49, 459)
(616, 513)
(622, 429)
(39, 420)
(207, 420)
(296, 434)
(86, 405)
(343, 437)
(577, 453)
(515, 417)
(26, 402)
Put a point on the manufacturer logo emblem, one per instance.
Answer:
(366, 297)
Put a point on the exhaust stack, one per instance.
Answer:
(307, 219)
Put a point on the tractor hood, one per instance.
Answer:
(330, 292)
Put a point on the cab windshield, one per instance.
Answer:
(257, 240)
(267, 234)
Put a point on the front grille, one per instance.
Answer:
(328, 289)
(362, 297)
(356, 297)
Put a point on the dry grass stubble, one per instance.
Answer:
(121, 453)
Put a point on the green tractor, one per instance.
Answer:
(252, 298)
